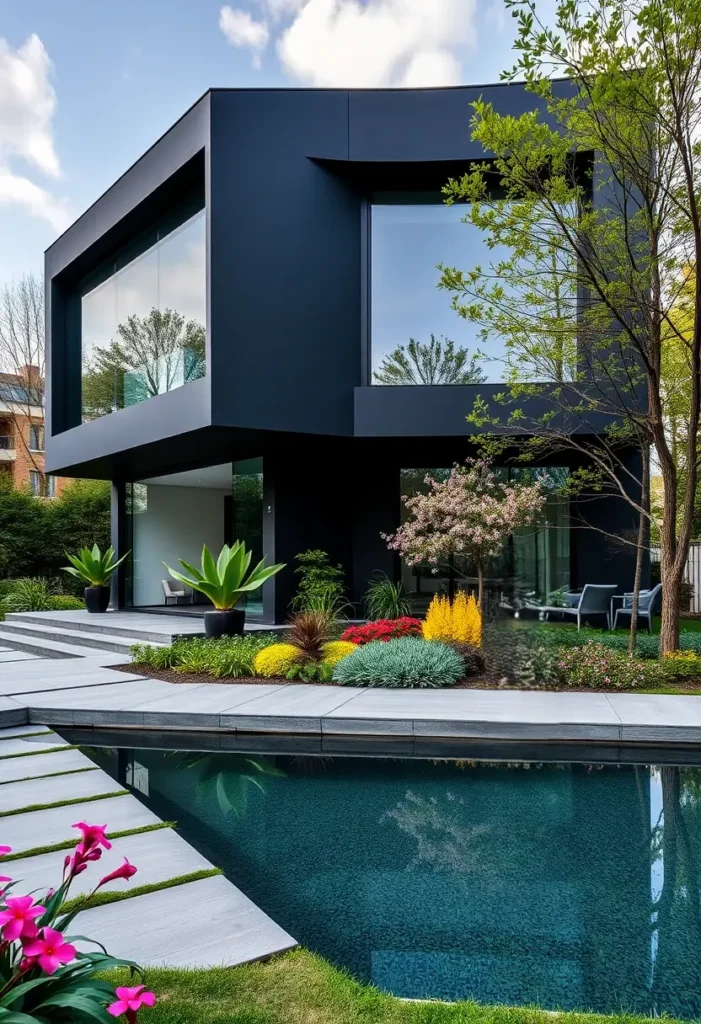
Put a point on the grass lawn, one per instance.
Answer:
(300, 988)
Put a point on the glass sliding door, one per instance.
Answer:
(247, 519)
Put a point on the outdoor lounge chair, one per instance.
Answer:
(649, 602)
(174, 593)
(594, 601)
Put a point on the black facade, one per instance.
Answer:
(283, 180)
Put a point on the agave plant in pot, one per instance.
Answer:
(96, 570)
(224, 582)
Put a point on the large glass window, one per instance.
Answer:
(534, 564)
(247, 490)
(416, 335)
(143, 325)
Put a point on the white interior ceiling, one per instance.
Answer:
(216, 477)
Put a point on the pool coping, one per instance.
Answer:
(53, 697)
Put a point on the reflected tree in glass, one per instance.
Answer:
(438, 362)
(152, 354)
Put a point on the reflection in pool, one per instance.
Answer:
(566, 885)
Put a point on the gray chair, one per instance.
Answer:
(175, 593)
(593, 602)
(649, 604)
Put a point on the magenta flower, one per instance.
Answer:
(93, 835)
(17, 921)
(50, 951)
(4, 850)
(129, 1001)
(125, 871)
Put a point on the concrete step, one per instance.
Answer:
(63, 635)
(103, 625)
(41, 647)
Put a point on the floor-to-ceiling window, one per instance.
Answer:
(247, 519)
(534, 562)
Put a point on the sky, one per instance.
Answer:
(86, 86)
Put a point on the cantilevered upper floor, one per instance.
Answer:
(263, 268)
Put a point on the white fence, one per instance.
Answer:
(692, 573)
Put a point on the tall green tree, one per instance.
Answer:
(438, 362)
(600, 187)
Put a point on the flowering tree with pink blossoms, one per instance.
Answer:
(470, 513)
(44, 978)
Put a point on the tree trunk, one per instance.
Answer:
(640, 550)
(480, 586)
(669, 633)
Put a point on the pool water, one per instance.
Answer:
(572, 886)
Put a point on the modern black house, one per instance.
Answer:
(219, 325)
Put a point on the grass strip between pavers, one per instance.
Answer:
(24, 735)
(34, 753)
(69, 844)
(300, 987)
(50, 775)
(101, 899)
(64, 803)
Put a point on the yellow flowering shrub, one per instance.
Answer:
(276, 660)
(438, 624)
(681, 664)
(333, 651)
(460, 621)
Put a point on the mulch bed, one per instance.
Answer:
(692, 686)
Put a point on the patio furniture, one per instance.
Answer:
(594, 601)
(175, 593)
(649, 603)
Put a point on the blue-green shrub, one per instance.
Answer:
(406, 662)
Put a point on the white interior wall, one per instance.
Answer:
(175, 523)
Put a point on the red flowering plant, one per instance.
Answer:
(383, 629)
(44, 977)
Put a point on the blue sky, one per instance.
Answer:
(86, 85)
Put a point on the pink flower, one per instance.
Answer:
(79, 861)
(17, 921)
(4, 850)
(93, 835)
(129, 1000)
(125, 871)
(50, 951)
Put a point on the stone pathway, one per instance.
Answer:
(198, 923)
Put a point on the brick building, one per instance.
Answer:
(22, 432)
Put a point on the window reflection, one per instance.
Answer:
(143, 329)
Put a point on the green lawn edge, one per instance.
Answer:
(300, 987)
(24, 735)
(63, 803)
(35, 753)
(49, 775)
(69, 844)
(101, 899)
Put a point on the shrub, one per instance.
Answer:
(385, 599)
(597, 667)
(461, 620)
(681, 664)
(383, 629)
(335, 650)
(647, 646)
(309, 631)
(65, 603)
(321, 585)
(472, 657)
(407, 662)
(29, 595)
(276, 660)
(45, 979)
(226, 656)
(535, 665)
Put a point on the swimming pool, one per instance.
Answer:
(570, 885)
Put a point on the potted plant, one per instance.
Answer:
(225, 582)
(96, 570)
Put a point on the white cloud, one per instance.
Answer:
(377, 42)
(244, 31)
(27, 106)
(19, 191)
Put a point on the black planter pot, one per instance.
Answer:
(96, 598)
(224, 623)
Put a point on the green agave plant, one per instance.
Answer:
(225, 581)
(92, 566)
